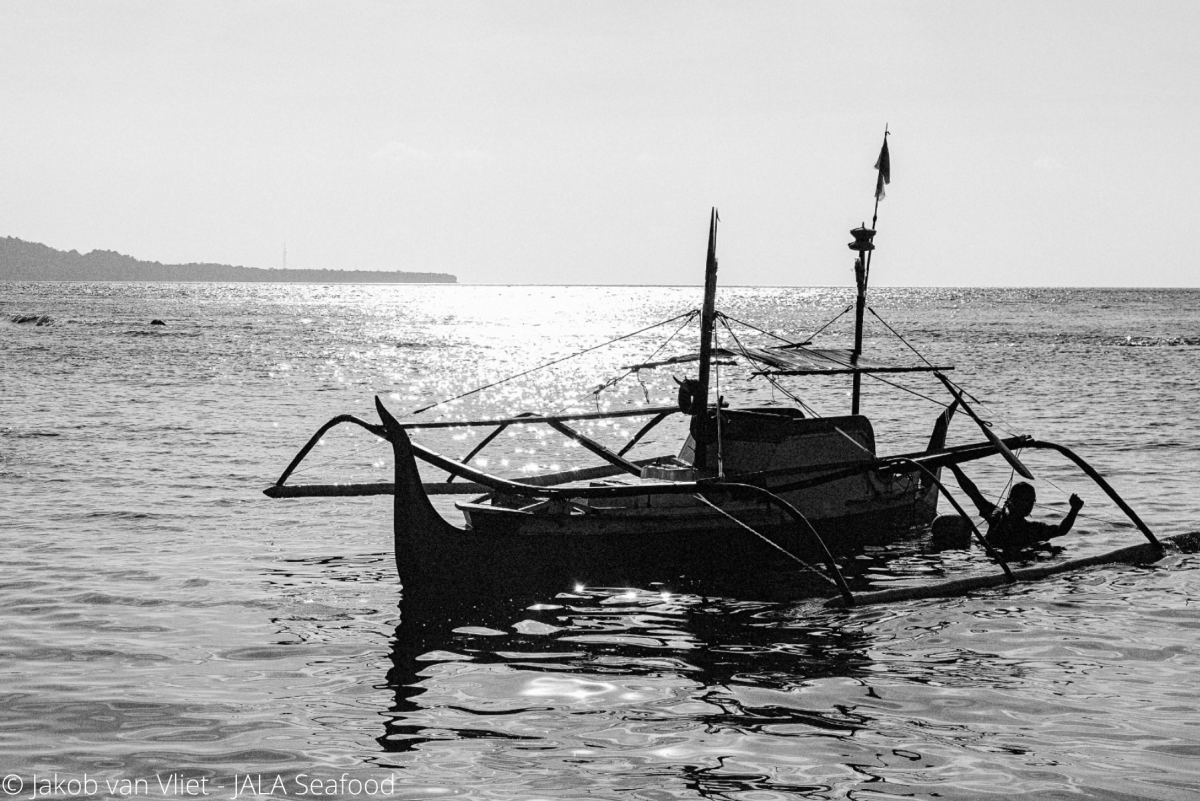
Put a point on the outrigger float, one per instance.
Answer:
(751, 491)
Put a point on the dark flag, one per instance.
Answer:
(884, 165)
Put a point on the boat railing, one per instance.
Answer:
(456, 468)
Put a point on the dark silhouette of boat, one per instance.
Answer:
(753, 492)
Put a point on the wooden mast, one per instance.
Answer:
(708, 316)
(862, 243)
(862, 266)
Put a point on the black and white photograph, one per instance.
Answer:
(604, 400)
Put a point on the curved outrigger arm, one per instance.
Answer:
(987, 546)
(619, 464)
(377, 430)
(791, 511)
(1100, 482)
(960, 454)
(927, 461)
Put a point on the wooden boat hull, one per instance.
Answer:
(915, 507)
(684, 546)
(710, 558)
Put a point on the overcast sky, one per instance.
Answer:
(1034, 143)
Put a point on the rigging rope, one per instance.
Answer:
(896, 334)
(830, 358)
(870, 375)
(1009, 427)
(814, 334)
(687, 314)
(612, 382)
(831, 322)
(809, 338)
(909, 390)
(767, 540)
(725, 322)
(995, 416)
(759, 330)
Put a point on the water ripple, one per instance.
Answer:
(161, 617)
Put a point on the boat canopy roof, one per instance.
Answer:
(802, 360)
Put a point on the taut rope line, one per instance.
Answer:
(689, 314)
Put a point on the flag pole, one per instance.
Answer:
(884, 177)
(875, 214)
(862, 267)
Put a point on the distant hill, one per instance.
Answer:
(30, 261)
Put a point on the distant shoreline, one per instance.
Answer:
(31, 261)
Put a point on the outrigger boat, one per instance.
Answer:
(750, 491)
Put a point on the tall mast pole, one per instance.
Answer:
(862, 243)
(884, 166)
(862, 266)
(708, 316)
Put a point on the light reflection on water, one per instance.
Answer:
(160, 615)
(1003, 694)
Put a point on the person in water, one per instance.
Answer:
(1009, 526)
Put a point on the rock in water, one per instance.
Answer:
(42, 319)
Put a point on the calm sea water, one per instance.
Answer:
(162, 619)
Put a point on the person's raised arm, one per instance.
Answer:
(986, 508)
(1068, 521)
